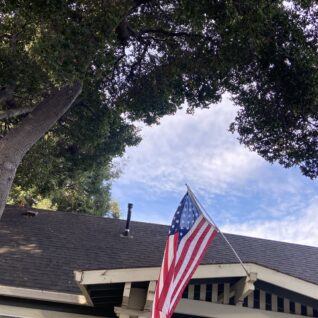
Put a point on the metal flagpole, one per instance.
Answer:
(200, 206)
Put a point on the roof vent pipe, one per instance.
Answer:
(30, 213)
(127, 229)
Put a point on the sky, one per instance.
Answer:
(243, 193)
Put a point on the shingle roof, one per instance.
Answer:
(42, 252)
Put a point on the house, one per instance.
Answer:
(57, 264)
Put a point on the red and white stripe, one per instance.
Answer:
(178, 265)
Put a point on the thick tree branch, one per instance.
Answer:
(5, 36)
(6, 114)
(163, 35)
(6, 94)
(138, 62)
(41, 119)
(173, 34)
(19, 140)
(116, 63)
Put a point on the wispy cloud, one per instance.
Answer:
(194, 149)
(241, 191)
(301, 228)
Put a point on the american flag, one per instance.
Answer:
(189, 237)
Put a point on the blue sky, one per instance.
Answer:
(242, 192)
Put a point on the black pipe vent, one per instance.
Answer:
(126, 233)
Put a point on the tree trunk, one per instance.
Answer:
(15, 112)
(19, 140)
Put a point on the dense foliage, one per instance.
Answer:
(71, 166)
(278, 92)
(140, 60)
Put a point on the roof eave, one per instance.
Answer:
(109, 276)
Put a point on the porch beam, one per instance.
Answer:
(243, 288)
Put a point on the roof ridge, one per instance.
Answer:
(270, 240)
(81, 214)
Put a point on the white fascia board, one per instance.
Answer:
(282, 280)
(38, 294)
(151, 273)
(22, 312)
(286, 281)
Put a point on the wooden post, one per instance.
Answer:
(262, 300)
(297, 308)
(274, 303)
(250, 300)
(191, 291)
(226, 297)
(310, 311)
(126, 295)
(214, 293)
(286, 306)
(202, 292)
(150, 295)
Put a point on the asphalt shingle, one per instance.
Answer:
(42, 252)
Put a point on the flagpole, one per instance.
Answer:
(200, 206)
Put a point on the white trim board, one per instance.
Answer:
(91, 277)
(282, 280)
(42, 295)
(23, 312)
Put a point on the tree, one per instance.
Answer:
(278, 93)
(145, 58)
(70, 168)
(114, 209)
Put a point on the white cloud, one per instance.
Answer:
(300, 228)
(194, 149)
(241, 190)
